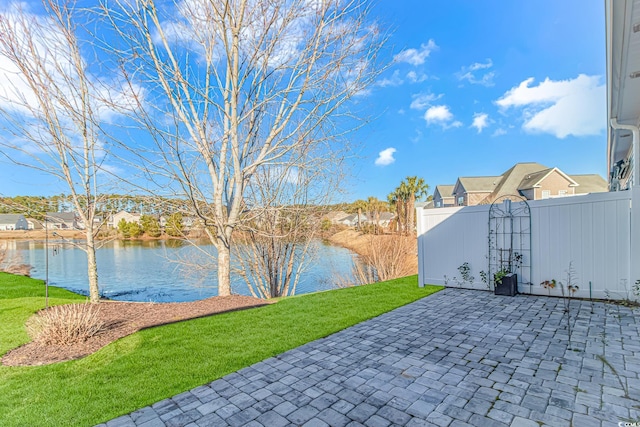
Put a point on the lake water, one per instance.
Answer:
(161, 270)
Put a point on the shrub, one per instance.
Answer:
(65, 324)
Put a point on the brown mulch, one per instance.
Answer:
(122, 319)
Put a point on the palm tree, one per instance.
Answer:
(374, 207)
(357, 207)
(398, 199)
(416, 189)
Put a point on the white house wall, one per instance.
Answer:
(592, 232)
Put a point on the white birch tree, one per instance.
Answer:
(50, 111)
(234, 86)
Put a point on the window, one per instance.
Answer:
(460, 200)
(546, 194)
(562, 193)
(438, 204)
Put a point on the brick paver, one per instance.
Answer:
(459, 357)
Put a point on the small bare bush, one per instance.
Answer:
(65, 324)
(391, 256)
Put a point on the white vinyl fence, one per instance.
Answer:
(598, 235)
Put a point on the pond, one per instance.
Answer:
(161, 270)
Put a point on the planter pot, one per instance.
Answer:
(508, 285)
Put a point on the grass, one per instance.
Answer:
(157, 363)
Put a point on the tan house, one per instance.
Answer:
(532, 181)
(127, 216)
(443, 196)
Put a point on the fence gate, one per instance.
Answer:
(510, 240)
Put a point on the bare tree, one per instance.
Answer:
(48, 108)
(279, 228)
(233, 86)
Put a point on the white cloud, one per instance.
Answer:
(417, 137)
(561, 108)
(423, 100)
(394, 80)
(480, 121)
(499, 132)
(385, 157)
(472, 75)
(441, 115)
(438, 113)
(414, 77)
(416, 56)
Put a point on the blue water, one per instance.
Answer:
(162, 271)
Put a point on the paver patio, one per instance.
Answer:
(459, 357)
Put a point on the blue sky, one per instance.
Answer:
(473, 87)
(460, 63)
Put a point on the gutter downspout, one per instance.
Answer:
(636, 147)
(634, 219)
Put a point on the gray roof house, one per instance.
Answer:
(9, 222)
(61, 221)
(531, 180)
(443, 196)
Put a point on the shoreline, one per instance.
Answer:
(68, 234)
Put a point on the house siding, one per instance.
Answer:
(553, 183)
(473, 199)
(19, 223)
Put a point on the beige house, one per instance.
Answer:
(532, 181)
(443, 196)
(127, 216)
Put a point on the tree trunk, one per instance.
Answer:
(224, 268)
(92, 266)
(411, 214)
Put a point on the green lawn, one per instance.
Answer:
(160, 362)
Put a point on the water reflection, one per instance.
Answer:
(159, 270)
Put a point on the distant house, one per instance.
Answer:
(61, 221)
(188, 222)
(385, 219)
(34, 224)
(335, 216)
(127, 216)
(532, 181)
(352, 220)
(443, 196)
(10, 222)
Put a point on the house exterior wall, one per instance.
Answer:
(129, 217)
(443, 202)
(593, 233)
(20, 224)
(554, 183)
(473, 199)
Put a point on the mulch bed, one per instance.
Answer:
(122, 319)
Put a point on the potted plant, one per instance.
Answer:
(506, 282)
(505, 279)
